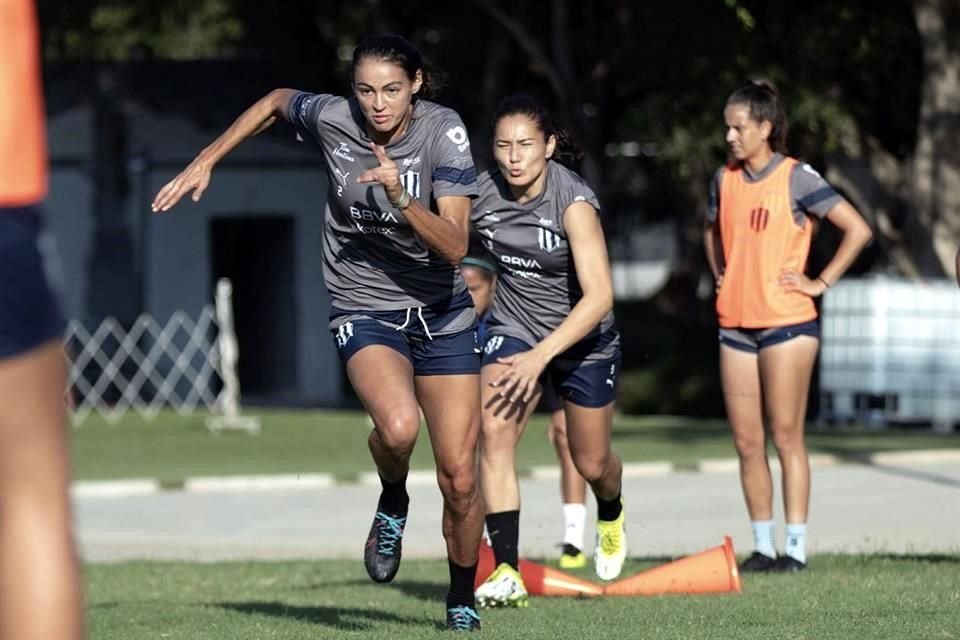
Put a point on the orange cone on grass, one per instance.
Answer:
(710, 571)
(538, 579)
(485, 565)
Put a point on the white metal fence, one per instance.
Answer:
(184, 364)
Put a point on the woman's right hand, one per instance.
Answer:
(194, 178)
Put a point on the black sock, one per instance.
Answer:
(394, 498)
(504, 531)
(461, 585)
(608, 510)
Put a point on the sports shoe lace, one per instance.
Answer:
(611, 538)
(390, 531)
(462, 618)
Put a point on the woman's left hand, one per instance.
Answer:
(519, 382)
(386, 174)
(793, 280)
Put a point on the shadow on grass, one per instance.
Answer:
(916, 474)
(927, 558)
(345, 618)
(428, 591)
(862, 457)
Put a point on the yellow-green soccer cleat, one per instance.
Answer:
(610, 551)
(504, 588)
(572, 558)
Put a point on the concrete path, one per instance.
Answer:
(899, 507)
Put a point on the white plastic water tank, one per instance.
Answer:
(891, 352)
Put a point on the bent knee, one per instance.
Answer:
(558, 433)
(591, 467)
(498, 434)
(398, 431)
(457, 481)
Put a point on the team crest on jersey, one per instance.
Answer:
(759, 218)
(411, 183)
(548, 240)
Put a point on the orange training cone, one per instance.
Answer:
(539, 579)
(544, 581)
(710, 571)
(485, 565)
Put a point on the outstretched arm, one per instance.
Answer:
(196, 176)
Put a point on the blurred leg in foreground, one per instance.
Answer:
(39, 576)
(40, 595)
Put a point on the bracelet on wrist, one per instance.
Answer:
(825, 283)
(403, 202)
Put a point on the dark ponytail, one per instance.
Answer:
(399, 51)
(565, 152)
(763, 100)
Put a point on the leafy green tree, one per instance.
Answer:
(871, 88)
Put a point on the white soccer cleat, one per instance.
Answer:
(610, 551)
(504, 588)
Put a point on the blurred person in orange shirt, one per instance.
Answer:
(39, 575)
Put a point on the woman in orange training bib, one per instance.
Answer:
(39, 576)
(757, 237)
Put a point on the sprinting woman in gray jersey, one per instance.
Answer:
(402, 318)
(552, 313)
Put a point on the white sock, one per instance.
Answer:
(796, 542)
(574, 517)
(763, 537)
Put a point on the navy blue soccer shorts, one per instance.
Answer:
(584, 382)
(437, 340)
(29, 313)
(753, 340)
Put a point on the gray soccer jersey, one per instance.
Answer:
(372, 258)
(538, 284)
(809, 192)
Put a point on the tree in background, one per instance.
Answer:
(873, 91)
(936, 160)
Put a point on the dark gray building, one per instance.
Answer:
(116, 135)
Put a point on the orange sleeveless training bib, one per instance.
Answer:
(760, 239)
(23, 152)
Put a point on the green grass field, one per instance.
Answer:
(840, 597)
(173, 448)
